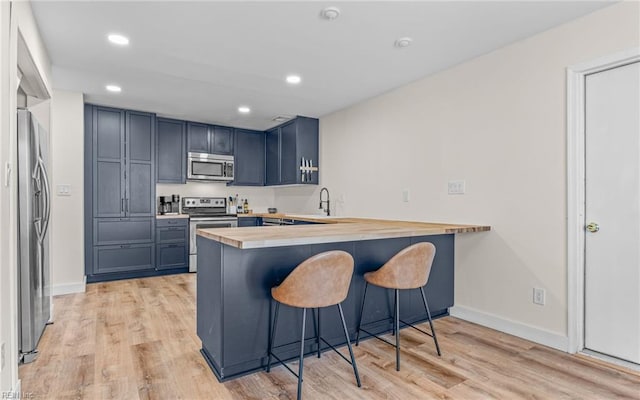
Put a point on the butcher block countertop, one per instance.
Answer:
(328, 230)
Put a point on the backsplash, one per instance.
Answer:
(260, 198)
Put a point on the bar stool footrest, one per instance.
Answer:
(336, 350)
(285, 365)
(416, 328)
(377, 337)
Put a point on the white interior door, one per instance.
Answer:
(612, 253)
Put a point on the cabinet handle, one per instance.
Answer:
(121, 205)
(125, 246)
(173, 222)
(173, 229)
(127, 205)
(173, 245)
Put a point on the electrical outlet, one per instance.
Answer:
(2, 356)
(538, 296)
(405, 195)
(456, 187)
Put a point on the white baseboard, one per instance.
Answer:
(524, 331)
(16, 391)
(68, 288)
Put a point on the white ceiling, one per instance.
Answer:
(201, 60)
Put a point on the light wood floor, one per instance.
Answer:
(136, 339)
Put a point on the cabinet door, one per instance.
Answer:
(140, 178)
(249, 221)
(272, 154)
(109, 167)
(108, 231)
(169, 256)
(172, 234)
(123, 258)
(171, 157)
(198, 137)
(307, 144)
(289, 166)
(222, 140)
(249, 158)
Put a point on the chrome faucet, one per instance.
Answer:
(324, 189)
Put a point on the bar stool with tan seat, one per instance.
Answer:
(408, 269)
(320, 281)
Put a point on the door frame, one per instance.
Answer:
(576, 75)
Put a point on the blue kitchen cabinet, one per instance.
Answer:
(122, 258)
(140, 166)
(249, 158)
(249, 221)
(202, 138)
(108, 134)
(198, 137)
(171, 151)
(286, 146)
(272, 154)
(172, 244)
(221, 140)
(120, 157)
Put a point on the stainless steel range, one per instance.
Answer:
(205, 212)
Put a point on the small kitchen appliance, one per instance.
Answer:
(169, 205)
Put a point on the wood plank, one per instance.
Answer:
(139, 342)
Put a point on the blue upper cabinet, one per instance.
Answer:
(198, 137)
(289, 147)
(221, 140)
(249, 158)
(202, 138)
(272, 153)
(107, 132)
(123, 163)
(171, 156)
(140, 167)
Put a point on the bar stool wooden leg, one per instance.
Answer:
(304, 320)
(397, 329)
(364, 297)
(433, 332)
(273, 335)
(346, 335)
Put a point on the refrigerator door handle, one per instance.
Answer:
(47, 200)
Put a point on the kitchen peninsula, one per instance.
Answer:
(240, 266)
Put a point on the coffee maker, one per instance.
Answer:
(169, 205)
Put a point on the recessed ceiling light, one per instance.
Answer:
(403, 42)
(114, 88)
(294, 79)
(330, 13)
(118, 39)
(244, 109)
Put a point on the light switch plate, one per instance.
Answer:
(7, 174)
(2, 356)
(456, 187)
(63, 190)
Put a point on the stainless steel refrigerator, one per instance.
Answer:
(34, 208)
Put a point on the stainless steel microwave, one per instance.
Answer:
(209, 167)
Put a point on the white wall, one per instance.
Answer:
(498, 122)
(67, 212)
(14, 16)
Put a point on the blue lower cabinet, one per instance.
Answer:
(172, 244)
(123, 258)
(170, 256)
(249, 221)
